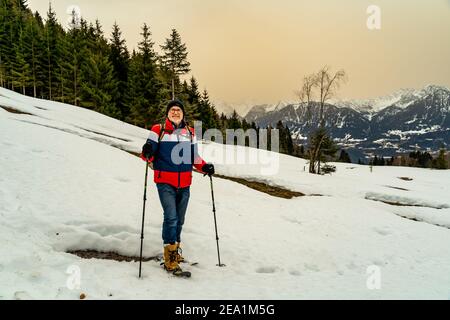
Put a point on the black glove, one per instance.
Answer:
(147, 151)
(208, 169)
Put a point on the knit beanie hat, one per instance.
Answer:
(177, 103)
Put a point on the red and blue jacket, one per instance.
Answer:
(175, 151)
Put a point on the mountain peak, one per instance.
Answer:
(432, 88)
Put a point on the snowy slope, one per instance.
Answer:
(66, 185)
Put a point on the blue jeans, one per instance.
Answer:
(174, 202)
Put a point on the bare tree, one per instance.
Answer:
(326, 85)
(306, 92)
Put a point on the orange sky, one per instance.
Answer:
(259, 50)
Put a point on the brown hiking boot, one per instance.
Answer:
(180, 257)
(170, 257)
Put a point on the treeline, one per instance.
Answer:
(420, 159)
(285, 142)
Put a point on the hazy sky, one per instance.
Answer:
(259, 50)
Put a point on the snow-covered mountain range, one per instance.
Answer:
(243, 109)
(401, 99)
(404, 121)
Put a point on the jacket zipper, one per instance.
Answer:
(178, 138)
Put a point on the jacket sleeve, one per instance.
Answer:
(198, 161)
(153, 140)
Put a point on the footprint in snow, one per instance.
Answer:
(292, 220)
(382, 231)
(311, 267)
(266, 269)
(122, 179)
(295, 273)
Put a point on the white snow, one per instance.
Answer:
(65, 185)
(403, 134)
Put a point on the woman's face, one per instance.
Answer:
(175, 115)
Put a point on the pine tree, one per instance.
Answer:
(20, 64)
(64, 91)
(223, 122)
(285, 139)
(289, 142)
(145, 105)
(425, 159)
(34, 53)
(52, 34)
(101, 44)
(120, 57)
(22, 73)
(76, 53)
(321, 147)
(205, 105)
(9, 33)
(282, 137)
(234, 122)
(254, 127)
(99, 85)
(344, 157)
(440, 161)
(174, 58)
(269, 137)
(39, 60)
(207, 112)
(194, 94)
(4, 43)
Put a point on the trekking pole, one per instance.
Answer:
(143, 215)
(215, 222)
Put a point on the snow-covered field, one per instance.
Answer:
(66, 185)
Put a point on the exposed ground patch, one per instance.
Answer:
(93, 254)
(12, 110)
(275, 191)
